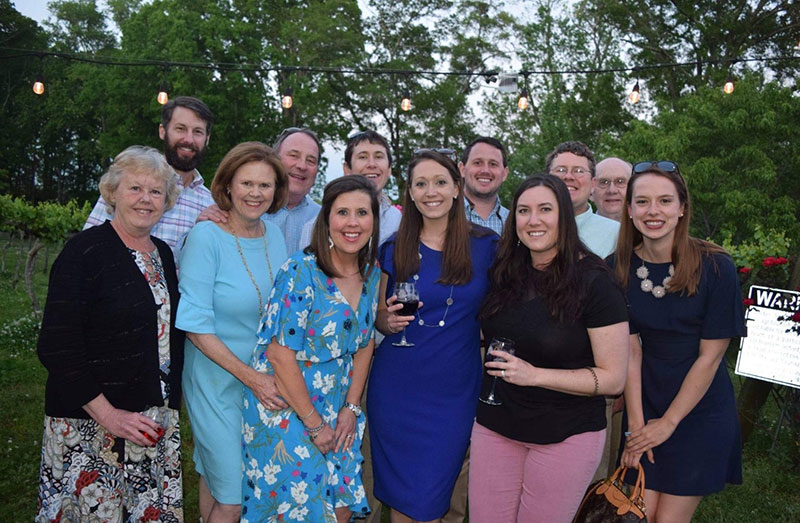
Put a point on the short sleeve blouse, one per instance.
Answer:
(539, 415)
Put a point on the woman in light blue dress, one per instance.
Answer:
(303, 463)
(225, 279)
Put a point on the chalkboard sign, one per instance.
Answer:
(771, 350)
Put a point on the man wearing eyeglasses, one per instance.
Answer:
(610, 184)
(484, 167)
(573, 162)
(300, 150)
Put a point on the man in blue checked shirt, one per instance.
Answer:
(185, 128)
(484, 167)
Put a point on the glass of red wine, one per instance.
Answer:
(406, 293)
(496, 345)
(159, 415)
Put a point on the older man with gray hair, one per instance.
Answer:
(609, 186)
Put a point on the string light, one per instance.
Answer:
(38, 85)
(286, 100)
(524, 99)
(163, 93)
(634, 96)
(405, 103)
(728, 87)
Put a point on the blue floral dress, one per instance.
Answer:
(286, 478)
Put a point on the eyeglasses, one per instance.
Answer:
(576, 171)
(605, 183)
(450, 153)
(666, 166)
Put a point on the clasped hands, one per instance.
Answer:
(644, 439)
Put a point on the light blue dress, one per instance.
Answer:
(218, 297)
(286, 477)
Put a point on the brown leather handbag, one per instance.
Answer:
(606, 501)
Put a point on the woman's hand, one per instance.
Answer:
(131, 426)
(265, 389)
(653, 434)
(631, 459)
(324, 439)
(395, 322)
(345, 429)
(512, 369)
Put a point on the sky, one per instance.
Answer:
(36, 9)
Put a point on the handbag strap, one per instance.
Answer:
(637, 496)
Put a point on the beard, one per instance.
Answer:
(182, 164)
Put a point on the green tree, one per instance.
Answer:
(739, 153)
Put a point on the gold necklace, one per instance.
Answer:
(249, 272)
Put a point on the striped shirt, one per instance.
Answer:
(176, 222)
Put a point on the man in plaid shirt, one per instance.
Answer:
(184, 129)
(484, 167)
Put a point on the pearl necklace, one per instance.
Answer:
(647, 285)
(249, 273)
(449, 302)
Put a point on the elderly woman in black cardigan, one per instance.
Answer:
(111, 444)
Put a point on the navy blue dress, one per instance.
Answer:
(422, 399)
(705, 451)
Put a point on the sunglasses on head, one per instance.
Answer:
(450, 153)
(669, 167)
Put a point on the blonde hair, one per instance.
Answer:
(139, 159)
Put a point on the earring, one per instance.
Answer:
(455, 197)
(330, 242)
(518, 242)
(681, 216)
(369, 244)
(630, 217)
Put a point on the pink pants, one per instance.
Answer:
(515, 482)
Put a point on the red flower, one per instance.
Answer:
(284, 423)
(781, 261)
(273, 494)
(769, 261)
(85, 478)
(151, 514)
(796, 317)
(398, 207)
(745, 270)
(748, 302)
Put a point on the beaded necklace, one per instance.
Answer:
(250, 273)
(449, 302)
(659, 291)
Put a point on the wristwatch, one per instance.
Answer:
(356, 409)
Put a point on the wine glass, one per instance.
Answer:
(496, 345)
(406, 293)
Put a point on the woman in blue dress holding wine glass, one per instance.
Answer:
(422, 397)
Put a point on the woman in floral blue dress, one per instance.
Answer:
(303, 463)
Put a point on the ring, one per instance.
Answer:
(503, 373)
(349, 436)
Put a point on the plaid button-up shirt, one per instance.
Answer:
(495, 220)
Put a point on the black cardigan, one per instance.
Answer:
(99, 332)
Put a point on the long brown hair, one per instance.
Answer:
(456, 256)
(512, 276)
(687, 251)
(368, 254)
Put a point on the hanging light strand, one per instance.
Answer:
(524, 99)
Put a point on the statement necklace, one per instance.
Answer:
(249, 272)
(647, 285)
(449, 302)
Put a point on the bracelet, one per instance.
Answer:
(310, 412)
(596, 382)
(315, 430)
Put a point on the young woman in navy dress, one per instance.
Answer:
(685, 306)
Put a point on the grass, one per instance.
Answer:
(770, 491)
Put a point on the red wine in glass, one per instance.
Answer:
(410, 306)
(159, 434)
(494, 352)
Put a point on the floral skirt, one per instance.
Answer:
(89, 475)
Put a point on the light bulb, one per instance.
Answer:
(634, 96)
(286, 100)
(38, 85)
(728, 87)
(405, 103)
(162, 97)
(523, 101)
